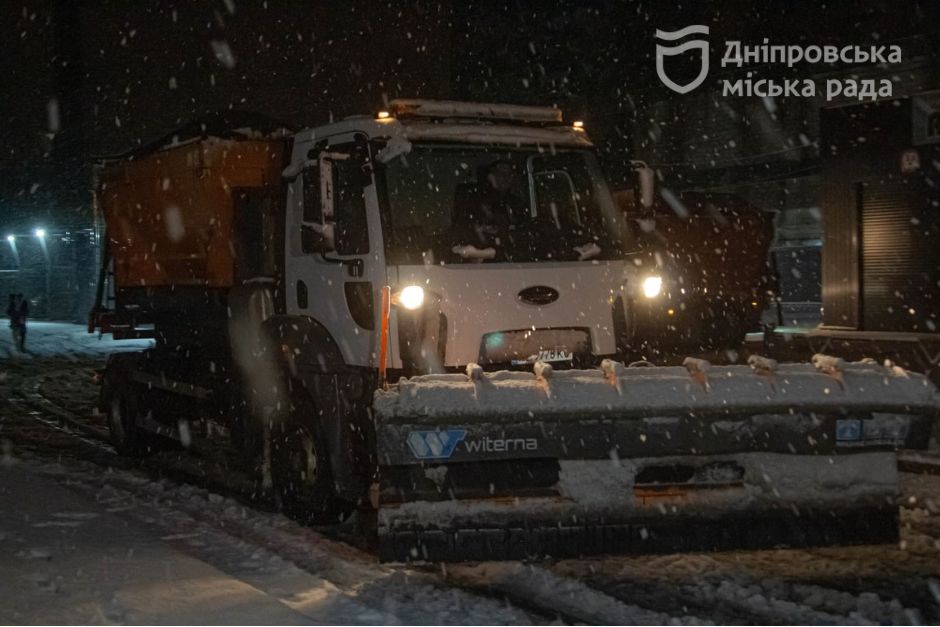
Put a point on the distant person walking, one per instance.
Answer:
(17, 311)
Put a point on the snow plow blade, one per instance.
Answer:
(511, 465)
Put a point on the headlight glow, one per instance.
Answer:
(411, 297)
(652, 286)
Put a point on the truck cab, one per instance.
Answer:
(492, 224)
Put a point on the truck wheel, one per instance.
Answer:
(300, 472)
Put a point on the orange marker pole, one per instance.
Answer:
(383, 337)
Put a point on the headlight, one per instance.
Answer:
(652, 286)
(411, 297)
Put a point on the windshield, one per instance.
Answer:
(461, 204)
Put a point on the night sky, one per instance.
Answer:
(90, 78)
(145, 69)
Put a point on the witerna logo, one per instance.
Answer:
(435, 444)
(442, 444)
(701, 45)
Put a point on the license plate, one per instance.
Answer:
(523, 347)
(555, 354)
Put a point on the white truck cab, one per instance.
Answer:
(497, 218)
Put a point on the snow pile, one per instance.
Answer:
(477, 110)
(495, 134)
(722, 388)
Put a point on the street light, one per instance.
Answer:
(11, 239)
(40, 233)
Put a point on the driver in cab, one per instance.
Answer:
(486, 213)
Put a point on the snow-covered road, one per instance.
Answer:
(63, 340)
(68, 557)
(89, 537)
(112, 546)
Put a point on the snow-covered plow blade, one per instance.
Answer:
(511, 465)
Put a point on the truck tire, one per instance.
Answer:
(300, 471)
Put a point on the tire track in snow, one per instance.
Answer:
(736, 597)
(785, 604)
(25, 395)
(569, 597)
(70, 427)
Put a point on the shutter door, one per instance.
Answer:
(899, 258)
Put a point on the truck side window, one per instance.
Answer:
(343, 213)
(349, 183)
(313, 212)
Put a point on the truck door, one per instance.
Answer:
(335, 264)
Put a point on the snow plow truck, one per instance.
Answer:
(419, 315)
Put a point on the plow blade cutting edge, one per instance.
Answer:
(511, 465)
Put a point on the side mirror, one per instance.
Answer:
(646, 183)
(326, 184)
(317, 239)
(318, 232)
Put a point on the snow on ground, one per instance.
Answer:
(67, 559)
(64, 340)
(568, 596)
(105, 546)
